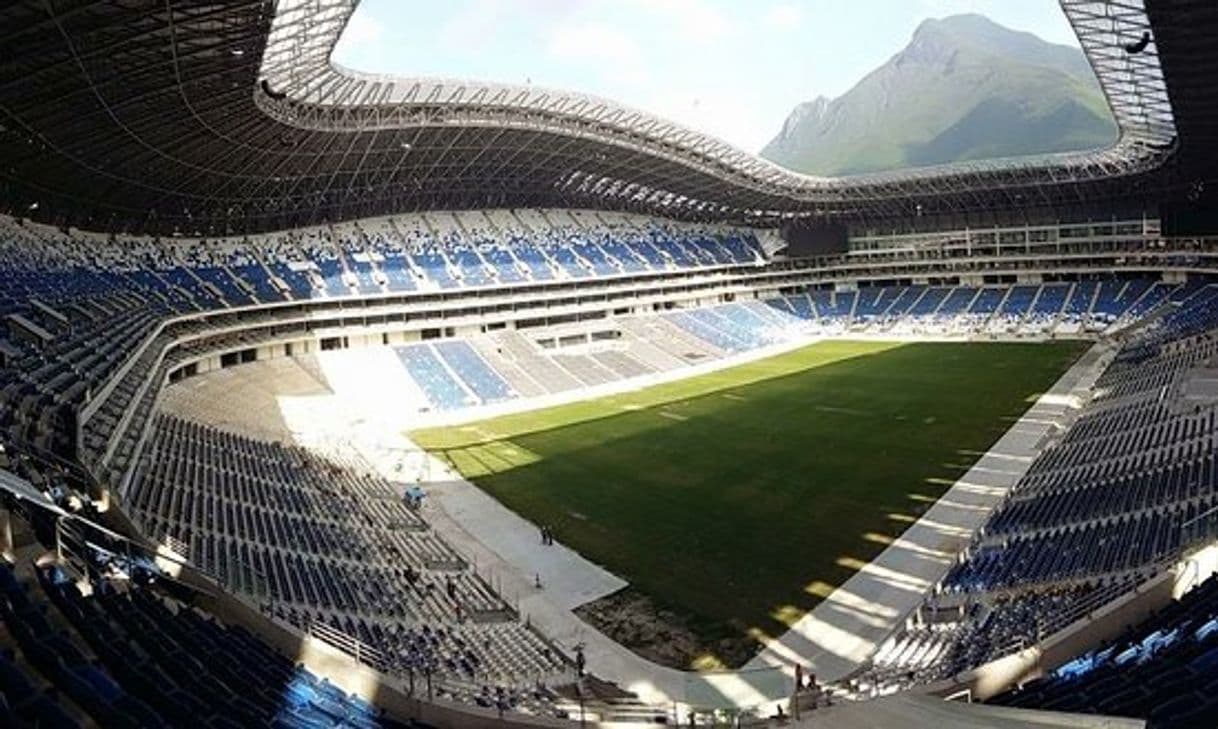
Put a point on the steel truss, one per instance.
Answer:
(228, 116)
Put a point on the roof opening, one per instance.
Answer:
(823, 88)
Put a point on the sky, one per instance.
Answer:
(731, 68)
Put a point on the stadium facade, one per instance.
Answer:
(192, 188)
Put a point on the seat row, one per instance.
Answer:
(138, 659)
(317, 540)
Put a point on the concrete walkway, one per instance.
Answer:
(912, 710)
(508, 553)
(507, 547)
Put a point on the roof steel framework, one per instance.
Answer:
(229, 116)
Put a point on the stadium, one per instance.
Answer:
(337, 399)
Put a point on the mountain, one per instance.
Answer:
(965, 88)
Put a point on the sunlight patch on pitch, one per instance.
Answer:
(877, 538)
(788, 615)
(818, 588)
(489, 459)
(708, 662)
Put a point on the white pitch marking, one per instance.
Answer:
(843, 411)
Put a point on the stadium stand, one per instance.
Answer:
(1161, 670)
(1098, 511)
(306, 568)
(192, 670)
(321, 542)
(451, 250)
(324, 546)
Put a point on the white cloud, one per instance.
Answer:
(361, 37)
(783, 16)
(696, 20)
(734, 118)
(472, 20)
(363, 28)
(616, 55)
(592, 40)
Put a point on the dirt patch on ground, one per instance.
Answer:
(664, 636)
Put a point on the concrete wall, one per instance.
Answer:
(1086, 633)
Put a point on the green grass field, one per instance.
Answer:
(739, 499)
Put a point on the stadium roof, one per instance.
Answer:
(228, 116)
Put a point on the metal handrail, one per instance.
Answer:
(362, 652)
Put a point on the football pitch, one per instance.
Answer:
(739, 499)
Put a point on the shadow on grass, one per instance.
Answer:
(742, 516)
(651, 399)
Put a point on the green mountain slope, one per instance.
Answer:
(965, 88)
